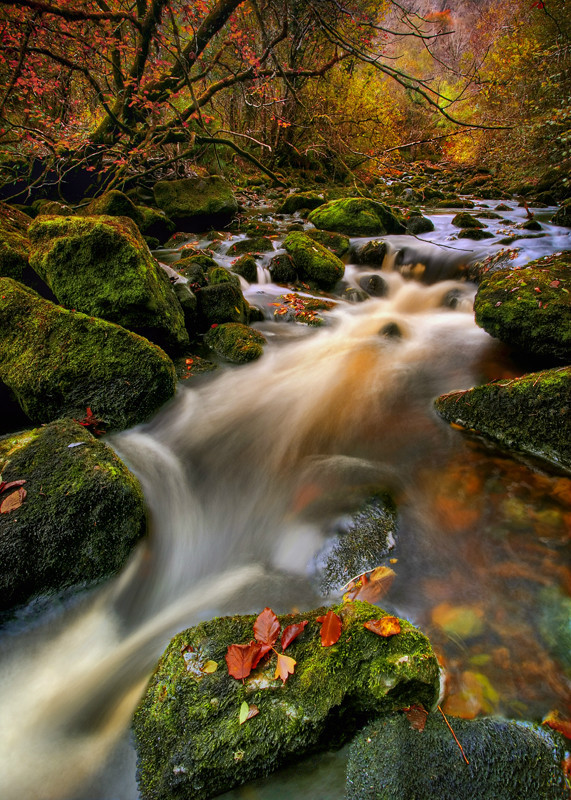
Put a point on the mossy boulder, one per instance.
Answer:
(82, 514)
(563, 215)
(454, 202)
(476, 234)
(14, 243)
(301, 200)
(196, 204)
(187, 732)
(336, 242)
(58, 363)
(417, 224)
(282, 269)
(247, 267)
(370, 253)
(235, 342)
(466, 220)
(195, 267)
(257, 244)
(313, 261)
(102, 267)
(155, 223)
(530, 308)
(531, 414)
(357, 216)
(219, 302)
(112, 204)
(508, 760)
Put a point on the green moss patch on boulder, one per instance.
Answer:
(58, 363)
(235, 342)
(14, 243)
(187, 730)
(531, 414)
(336, 242)
(301, 200)
(508, 760)
(112, 204)
(219, 302)
(155, 223)
(530, 308)
(466, 220)
(257, 244)
(196, 204)
(563, 215)
(357, 216)
(417, 224)
(246, 266)
(82, 514)
(476, 234)
(313, 261)
(102, 267)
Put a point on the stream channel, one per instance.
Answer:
(250, 473)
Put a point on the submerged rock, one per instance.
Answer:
(14, 242)
(313, 261)
(531, 414)
(102, 267)
(197, 204)
(58, 363)
(357, 216)
(82, 514)
(235, 342)
(508, 760)
(187, 728)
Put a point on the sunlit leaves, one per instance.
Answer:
(284, 667)
(240, 658)
(13, 501)
(385, 626)
(292, 632)
(330, 628)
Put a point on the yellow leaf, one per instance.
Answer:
(210, 667)
(284, 667)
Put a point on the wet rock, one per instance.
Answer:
(465, 220)
(58, 363)
(258, 244)
(102, 267)
(14, 242)
(187, 732)
(155, 223)
(313, 261)
(82, 514)
(503, 207)
(282, 269)
(336, 242)
(301, 200)
(474, 233)
(195, 267)
(530, 414)
(417, 224)
(357, 216)
(532, 225)
(508, 760)
(235, 342)
(196, 204)
(454, 202)
(374, 285)
(221, 301)
(563, 215)
(370, 253)
(247, 267)
(111, 204)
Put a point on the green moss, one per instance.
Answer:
(102, 266)
(82, 514)
(282, 269)
(258, 244)
(475, 234)
(221, 301)
(196, 204)
(530, 308)
(247, 267)
(58, 363)
(465, 220)
(113, 204)
(530, 414)
(417, 224)
(301, 200)
(187, 731)
(194, 267)
(336, 242)
(235, 342)
(313, 261)
(14, 243)
(357, 216)
(155, 223)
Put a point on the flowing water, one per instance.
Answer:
(246, 475)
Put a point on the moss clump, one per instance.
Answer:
(82, 514)
(530, 414)
(14, 243)
(113, 204)
(102, 266)
(188, 737)
(155, 223)
(221, 301)
(247, 268)
(235, 342)
(508, 760)
(530, 308)
(257, 244)
(417, 224)
(357, 216)
(282, 269)
(313, 261)
(57, 363)
(336, 242)
(196, 204)
(563, 215)
(301, 200)
(465, 220)
(475, 234)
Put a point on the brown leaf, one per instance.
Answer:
(371, 586)
(330, 628)
(13, 501)
(247, 712)
(267, 627)
(292, 632)
(386, 626)
(417, 716)
(240, 658)
(284, 667)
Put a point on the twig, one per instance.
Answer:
(454, 735)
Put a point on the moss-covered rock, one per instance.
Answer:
(155, 223)
(282, 269)
(196, 204)
(417, 224)
(508, 760)
(465, 220)
(221, 302)
(476, 234)
(530, 308)
(102, 267)
(531, 414)
(58, 363)
(82, 514)
(357, 216)
(195, 267)
(188, 735)
(336, 242)
(454, 202)
(257, 244)
(112, 204)
(14, 243)
(313, 261)
(247, 267)
(563, 215)
(235, 342)
(301, 200)
(370, 253)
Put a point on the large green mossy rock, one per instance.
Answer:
(530, 308)
(235, 342)
(113, 204)
(58, 363)
(102, 267)
(82, 514)
(531, 414)
(196, 204)
(336, 242)
(357, 216)
(257, 244)
(313, 261)
(14, 243)
(301, 200)
(563, 215)
(508, 760)
(188, 736)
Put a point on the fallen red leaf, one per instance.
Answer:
(267, 627)
(284, 667)
(240, 659)
(554, 720)
(386, 626)
(417, 716)
(292, 632)
(13, 501)
(4, 486)
(330, 628)
(370, 586)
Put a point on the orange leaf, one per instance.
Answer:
(4, 486)
(330, 628)
(553, 720)
(267, 627)
(240, 658)
(386, 626)
(13, 501)
(370, 586)
(292, 632)
(284, 667)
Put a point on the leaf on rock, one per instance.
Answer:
(247, 712)
(292, 632)
(370, 586)
(417, 716)
(13, 501)
(330, 628)
(267, 627)
(284, 667)
(386, 626)
(554, 720)
(240, 659)
(210, 667)
(5, 485)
